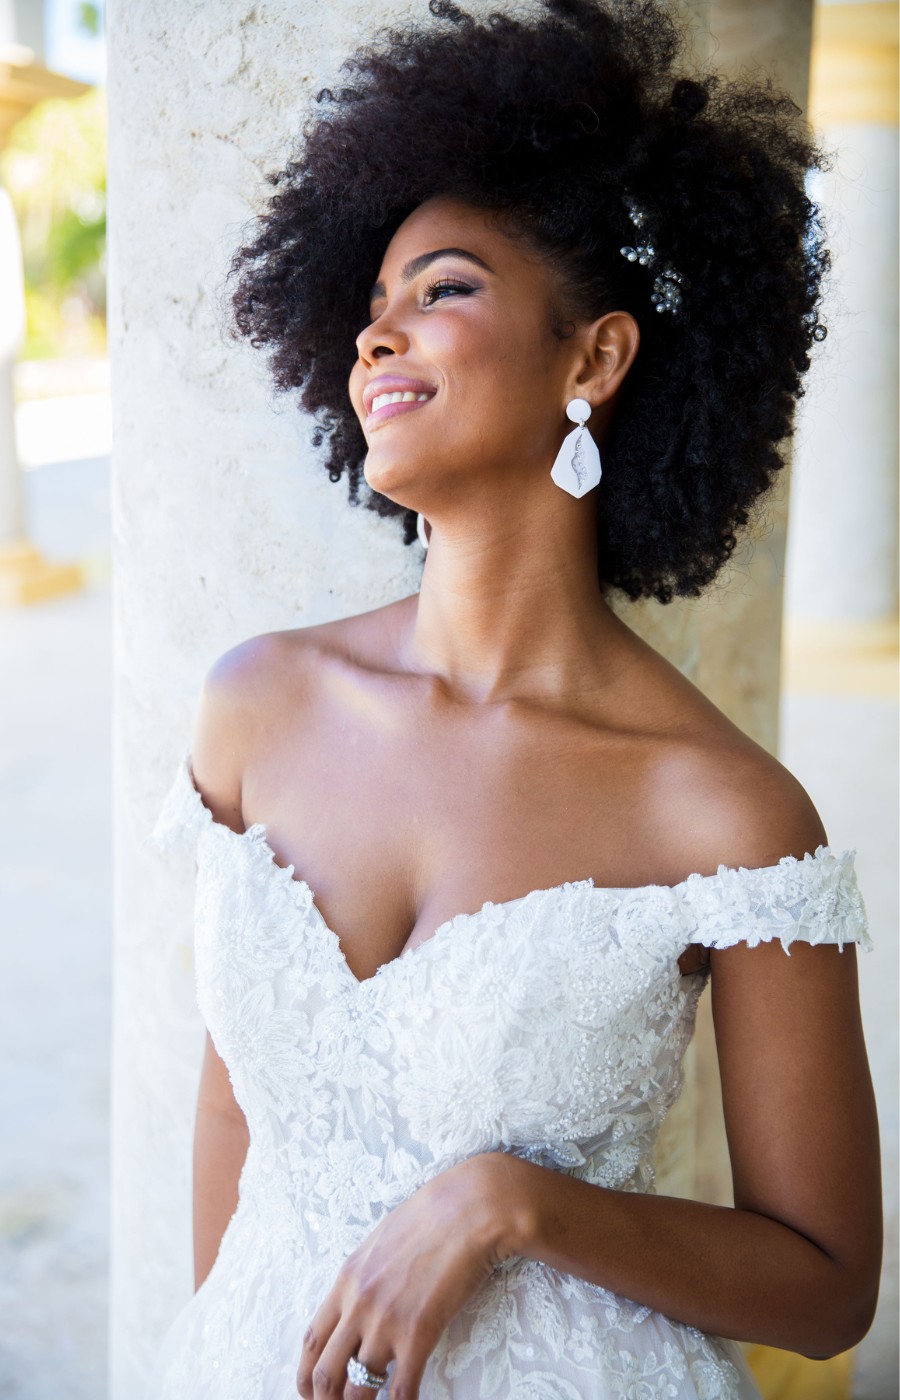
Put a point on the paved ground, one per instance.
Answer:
(55, 953)
(55, 909)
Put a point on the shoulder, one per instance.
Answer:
(739, 806)
(241, 693)
(779, 887)
(239, 681)
(266, 682)
(244, 681)
(716, 796)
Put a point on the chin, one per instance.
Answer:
(392, 478)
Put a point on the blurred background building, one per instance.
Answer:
(831, 628)
(52, 260)
(55, 897)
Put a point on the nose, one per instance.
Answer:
(380, 339)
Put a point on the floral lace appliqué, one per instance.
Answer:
(552, 1026)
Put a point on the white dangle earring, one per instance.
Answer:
(420, 530)
(577, 467)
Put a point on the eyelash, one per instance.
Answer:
(442, 283)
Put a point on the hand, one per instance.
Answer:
(396, 1293)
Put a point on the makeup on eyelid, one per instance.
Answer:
(441, 284)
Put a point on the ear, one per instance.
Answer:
(607, 350)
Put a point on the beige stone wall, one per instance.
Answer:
(729, 642)
(224, 526)
(843, 559)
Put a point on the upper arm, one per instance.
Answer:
(215, 1093)
(797, 1096)
(797, 1093)
(230, 712)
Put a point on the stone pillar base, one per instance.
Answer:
(785, 1375)
(842, 656)
(27, 577)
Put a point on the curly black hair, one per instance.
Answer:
(551, 120)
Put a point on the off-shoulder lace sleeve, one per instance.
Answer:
(182, 815)
(814, 900)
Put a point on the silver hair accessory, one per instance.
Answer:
(666, 294)
(359, 1374)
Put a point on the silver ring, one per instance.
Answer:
(359, 1374)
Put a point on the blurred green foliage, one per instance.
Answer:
(54, 166)
(89, 18)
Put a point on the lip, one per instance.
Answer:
(394, 384)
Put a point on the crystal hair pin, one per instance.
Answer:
(666, 294)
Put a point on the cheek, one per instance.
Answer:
(493, 376)
(497, 405)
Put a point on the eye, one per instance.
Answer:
(431, 293)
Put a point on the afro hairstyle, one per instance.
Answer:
(553, 119)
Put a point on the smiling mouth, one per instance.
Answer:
(397, 396)
(387, 406)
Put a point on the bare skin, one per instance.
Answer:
(502, 731)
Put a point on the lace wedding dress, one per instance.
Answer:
(552, 1026)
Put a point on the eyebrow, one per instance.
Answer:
(417, 265)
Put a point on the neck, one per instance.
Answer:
(513, 608)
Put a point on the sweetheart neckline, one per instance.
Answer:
(469, 919)
(257, 834)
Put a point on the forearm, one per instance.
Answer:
(730, 1272)
(220, 1148)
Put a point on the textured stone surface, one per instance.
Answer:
(844, 563)
(225, 526)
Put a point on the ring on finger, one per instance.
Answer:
(358, 1373)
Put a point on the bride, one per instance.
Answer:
(466, 862)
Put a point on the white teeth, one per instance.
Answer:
(397, 397)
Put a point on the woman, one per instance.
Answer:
(467, 861)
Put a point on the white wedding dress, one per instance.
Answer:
(552, 1026)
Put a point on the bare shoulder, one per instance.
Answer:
(743, 807)
(719, 796)
(241, 691)
(264, 682)
(228, 713)
(737, 806)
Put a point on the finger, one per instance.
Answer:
(407, 1378)
(329, 1376)
(375, 1358)
(413, 1356)
(315, 1339)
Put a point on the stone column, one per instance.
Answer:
(25, 575)
(12, 329)
(225, 526)
(729, 641)
(842, 563)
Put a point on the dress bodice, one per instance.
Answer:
(552, 1026)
